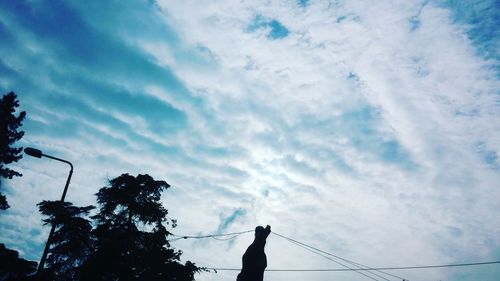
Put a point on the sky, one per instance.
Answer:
(370, 130)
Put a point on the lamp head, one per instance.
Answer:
(33, 152)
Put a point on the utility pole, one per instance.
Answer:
(38, 154)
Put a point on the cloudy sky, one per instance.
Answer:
(371, 131)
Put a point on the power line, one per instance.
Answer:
(337, 262)
(214, 236)
(373, 268)
(358, 265)
(323, 254)
(235, 234)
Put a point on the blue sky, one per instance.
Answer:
(368, 130)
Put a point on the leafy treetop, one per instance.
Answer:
(9, 134)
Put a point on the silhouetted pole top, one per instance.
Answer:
(254, 259)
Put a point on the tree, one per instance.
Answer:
(131, 236)
(72, 241)
(9, 134)
(13, 268)
(128, 243)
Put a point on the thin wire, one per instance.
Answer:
(323, 253)
(318, 252)
(225, 239)
(360, 266)
(386, 273)
(234, 234)
(335, 261)
(374, 268)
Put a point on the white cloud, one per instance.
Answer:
(417, 81)
(354, 133)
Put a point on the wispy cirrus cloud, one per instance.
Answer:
(350, 125)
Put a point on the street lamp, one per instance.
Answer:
(39, 154)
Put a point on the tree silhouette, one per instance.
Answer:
(9, 134)
(72, 241)
(129, 241)
(13, 268)
(130, 234)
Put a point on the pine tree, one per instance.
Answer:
(9, 134)
(72, 241)
(131, 234)
(13, 268)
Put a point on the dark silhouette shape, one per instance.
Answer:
(254, 260)
(39, 154)
(9, 134)
(131, 237)
(13, 268)
(71, 243)
(129, 241)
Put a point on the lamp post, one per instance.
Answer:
(38, 154)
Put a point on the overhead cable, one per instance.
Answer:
(326, 255)
(228, 236)
(214, 236)
(362, 269)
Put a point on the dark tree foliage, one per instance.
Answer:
(128, 241)
(13, 268)
(9, 134)
(72, 241)
(130, 234)
(3, 200)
